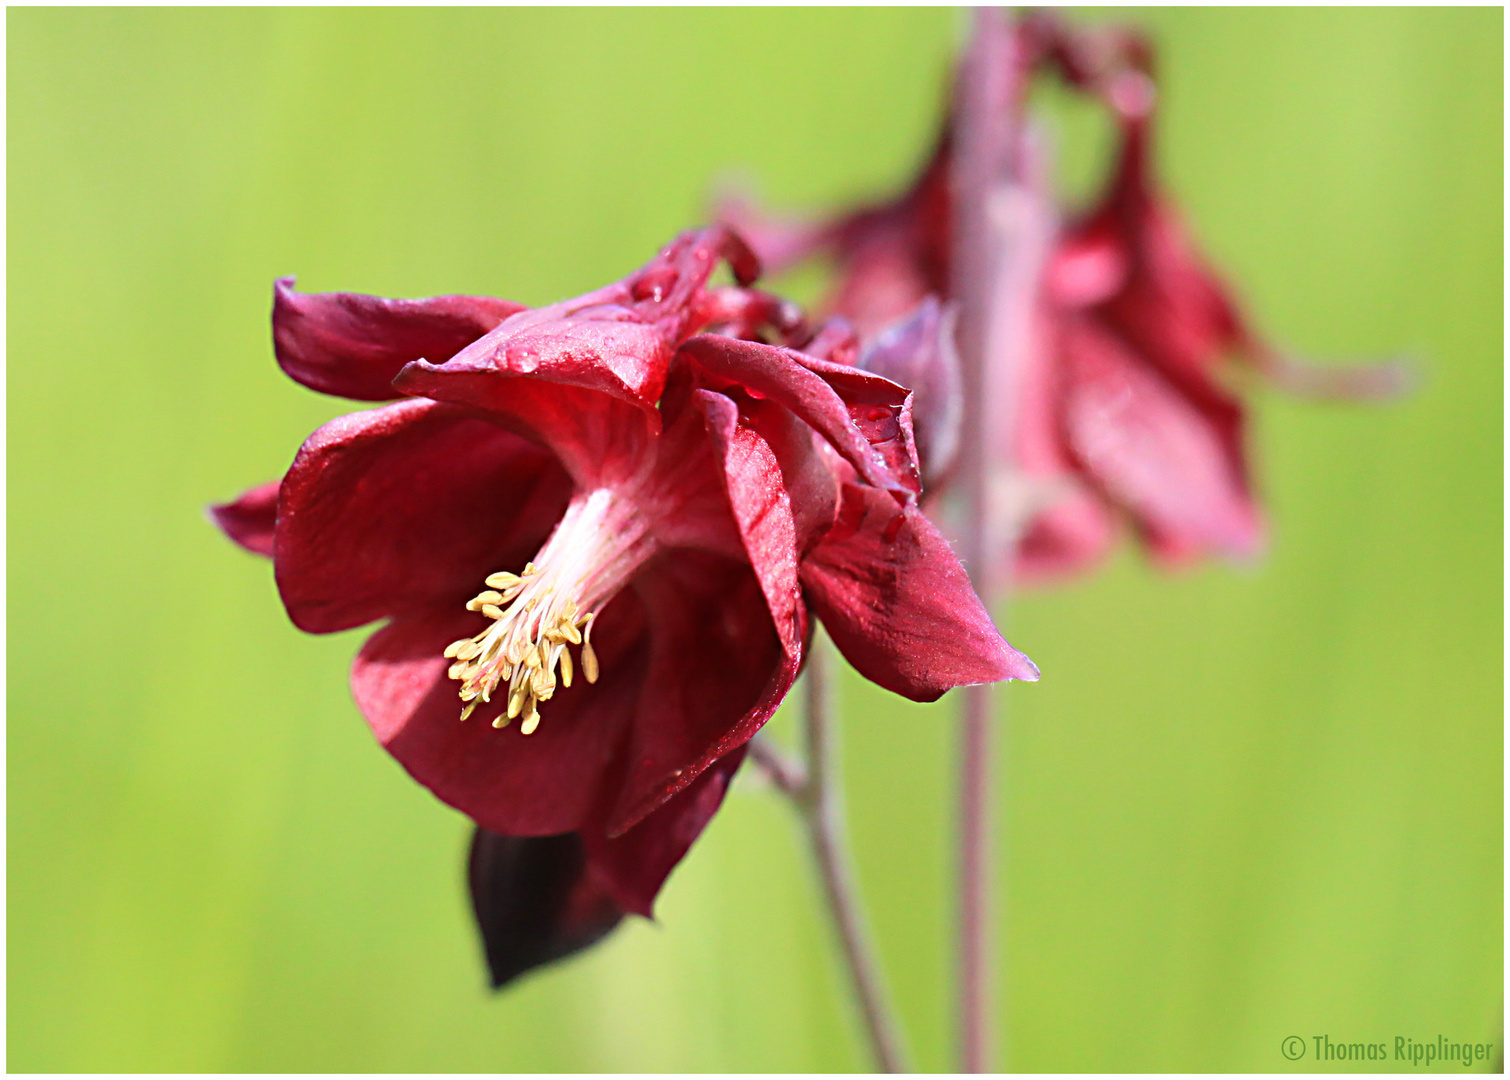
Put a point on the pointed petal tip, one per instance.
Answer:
(1024, 669)
(535, 902)
(250, 519)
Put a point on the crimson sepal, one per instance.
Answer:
(617, 340)
(249, 519)
(1173, 460)
(889, 256)
(635, 864)
(352, 346)
(898, 604)
(380, 512)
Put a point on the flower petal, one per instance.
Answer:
(918, 353)
(524, 785)
(763, 510)
(636, 864)
(599, 438)
(249, 520)
(683, 498)
(715, 673)
(899, 606)
(352, 345)
(404, 505)
(535, 901)
(811, 388)
(1172, 460)
(617, 340)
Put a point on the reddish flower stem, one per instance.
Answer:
(973, 259)
(786, 773)
(815, 792)
(974, 906)
(823, 810)
(998, 240)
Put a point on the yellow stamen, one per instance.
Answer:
(589, 657)
(536, 616)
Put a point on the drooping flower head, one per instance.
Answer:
(1124, 403)
(596, 531)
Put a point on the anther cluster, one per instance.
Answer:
(525, 644)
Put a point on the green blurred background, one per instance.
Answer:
(1242, 804)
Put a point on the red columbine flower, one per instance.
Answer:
(1123, 406)
(596, 531)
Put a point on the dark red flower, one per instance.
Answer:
(1124, 403)
(603, 521)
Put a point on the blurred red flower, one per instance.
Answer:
(1124, 404)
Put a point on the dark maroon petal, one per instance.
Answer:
(1173, 462)
(617, 340)
(715, 674)
(402, 505)
(535, 901)
(352, 346)
(881, 410)
(249, 520)
(763, 510)
(899, 606)
(524, 785)
(602, 349)
(744, 313)
(807, 469)
(803, 385)
(918, 353)
(636, 864)
(684, 498)
(599, 439)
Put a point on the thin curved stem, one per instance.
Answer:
(786, 774)
(975, 941)
(824, 811)
(816, 794)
